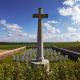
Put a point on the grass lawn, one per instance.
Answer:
(8, 60)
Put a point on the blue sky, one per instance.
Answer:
(18, 25)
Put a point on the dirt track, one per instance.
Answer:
(75, 49)
(2, 50)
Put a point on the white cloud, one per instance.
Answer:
(66, 12)
(48, 21)
(50, 28)
(57, 30)
(47, 37)
(2, 22)
(13, 29)
(11, 35)
(52, 21)
(74, 11)
(71, 29)
(15, 36)
(69, 2)
(76, 19)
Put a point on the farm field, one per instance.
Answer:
(75, 49)
(17, 45)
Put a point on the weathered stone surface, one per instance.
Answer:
(52, 58)
(66, 57)
(13, 58)
(61, 57)
(17, 58)
(22, 58)
(44, 63)
(40, 59)
(59, 53)
(26, 58)
(57, 58)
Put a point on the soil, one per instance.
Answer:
(75, 49)
(3, 50)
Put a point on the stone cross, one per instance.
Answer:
(40, 15)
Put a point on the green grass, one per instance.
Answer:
(17, 45)
(8, 60)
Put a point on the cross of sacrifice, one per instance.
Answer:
(40, 15)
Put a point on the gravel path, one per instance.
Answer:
(75, 49)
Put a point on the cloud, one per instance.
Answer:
(66, 12)
(47, 37)
(71, 29)
(11, 35)
(50, 28)
(48, 21)
(13, 29)
(55, 22)
(69, 2)
(52, 21)
(73, 11)
(57, 30)
(2, 21)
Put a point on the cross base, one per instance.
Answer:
(44, 64)
(40, 59)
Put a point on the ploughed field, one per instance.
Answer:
(75, 49)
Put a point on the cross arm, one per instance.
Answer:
(44, 15)
(35, 15)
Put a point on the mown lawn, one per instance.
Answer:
(8, 60)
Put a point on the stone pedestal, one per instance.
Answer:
(44, 63)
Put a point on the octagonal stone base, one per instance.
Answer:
(44, 63)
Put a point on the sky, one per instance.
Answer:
(18, 25)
